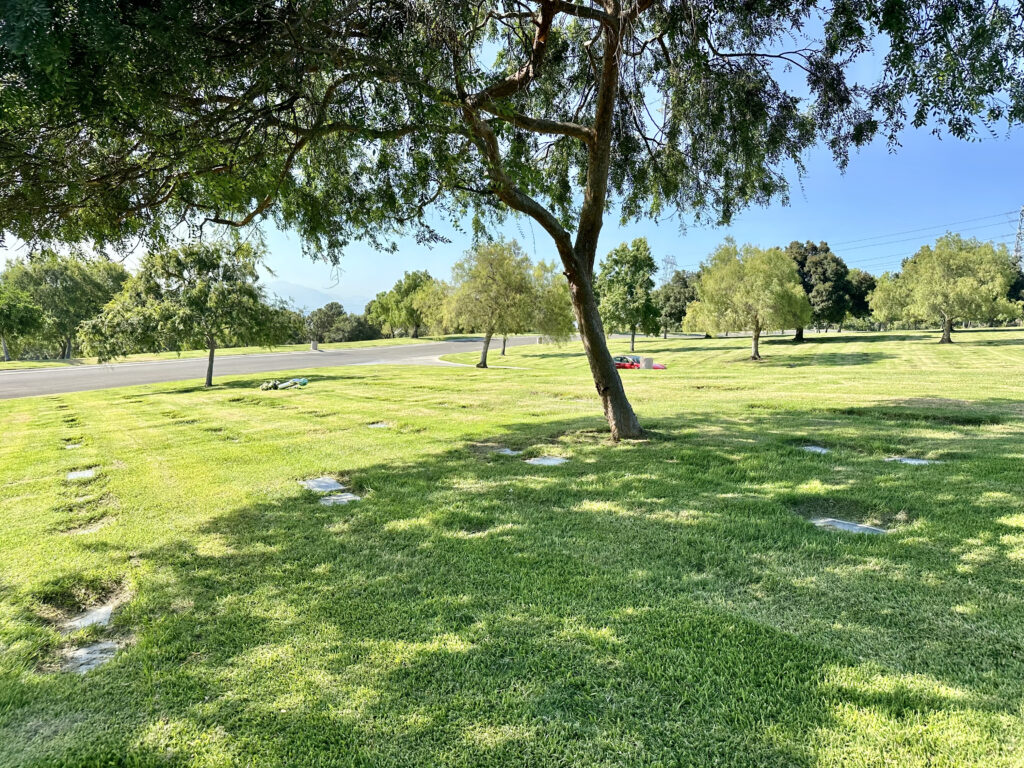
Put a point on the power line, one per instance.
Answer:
(918, 237)
(923, 229)
(880, 259)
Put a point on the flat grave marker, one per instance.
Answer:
(846, 526)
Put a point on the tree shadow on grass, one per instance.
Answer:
(653, 601)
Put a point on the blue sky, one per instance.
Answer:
(928, 185)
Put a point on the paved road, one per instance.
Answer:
(78, 378)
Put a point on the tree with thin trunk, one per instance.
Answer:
(199, 295)
(624, 288)
(960, 279)
(493, 291)
(349, 120)
(19, 315)
(748, 289)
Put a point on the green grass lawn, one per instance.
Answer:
(14, 365)
(659, 603)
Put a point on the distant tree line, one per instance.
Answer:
(805, 284)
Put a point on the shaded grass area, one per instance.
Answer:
(662, 602)
(14, 365)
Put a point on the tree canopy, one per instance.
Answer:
(69, 288)
(748, 289)
(18, 315)
(397, 311)
(346, 121)
(624, 288)
(200, 295)
(861, 285)
(824, 279)
(672, 299)
(959, 279)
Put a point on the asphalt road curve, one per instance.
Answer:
(79, 378)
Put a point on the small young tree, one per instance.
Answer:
(624, 287)
(493, 291)
(552, 316)
(748, 289)
(189, 297)
(960, 279)
(18, 315)
(672, 298)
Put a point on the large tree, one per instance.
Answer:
(69, 288)
(625, 286)
(494, 291)
(199, 295)
(861, 285)
(18, 315)
(345, 120)
(320, 321)
(748, 289)
(960, 279)
(823, 276)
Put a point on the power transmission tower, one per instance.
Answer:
(668, 264)
(1018, 248)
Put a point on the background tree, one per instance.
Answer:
(552, 317)
(748, 289)
(433, 302)
(959, 279)
(320, 321)
(861, 284)
(624, 288)
(18, 315)
(347, 120)
(493, 291)
(889, 299)
(354, 327)
(69, 288)
(672, 298)
(197, 295)
(823, 276)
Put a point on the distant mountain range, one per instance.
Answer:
(306, 298)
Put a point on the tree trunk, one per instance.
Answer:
(666, 333)
(755, 352)
(415, 331)
(483, 352)
(69, 343)
(799, 335)
(3, 343)
(617, 410)
(632, 339)
(209, 362)
(504, 342)
(947, 331)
